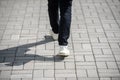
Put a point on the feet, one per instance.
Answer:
(64, 52)
(54, 36)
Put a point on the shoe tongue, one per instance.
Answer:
(65, 47)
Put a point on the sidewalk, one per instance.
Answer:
(27, 51)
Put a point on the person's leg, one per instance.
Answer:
(65, 21)
(53, 14)
(64, 29)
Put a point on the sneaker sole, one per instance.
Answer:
(62, 55)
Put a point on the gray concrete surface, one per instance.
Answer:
(27, 51)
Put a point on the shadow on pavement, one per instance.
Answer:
(27, 57)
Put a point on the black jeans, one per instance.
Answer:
(60, 26)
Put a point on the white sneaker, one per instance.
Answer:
(64, 52)
(54, 36)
